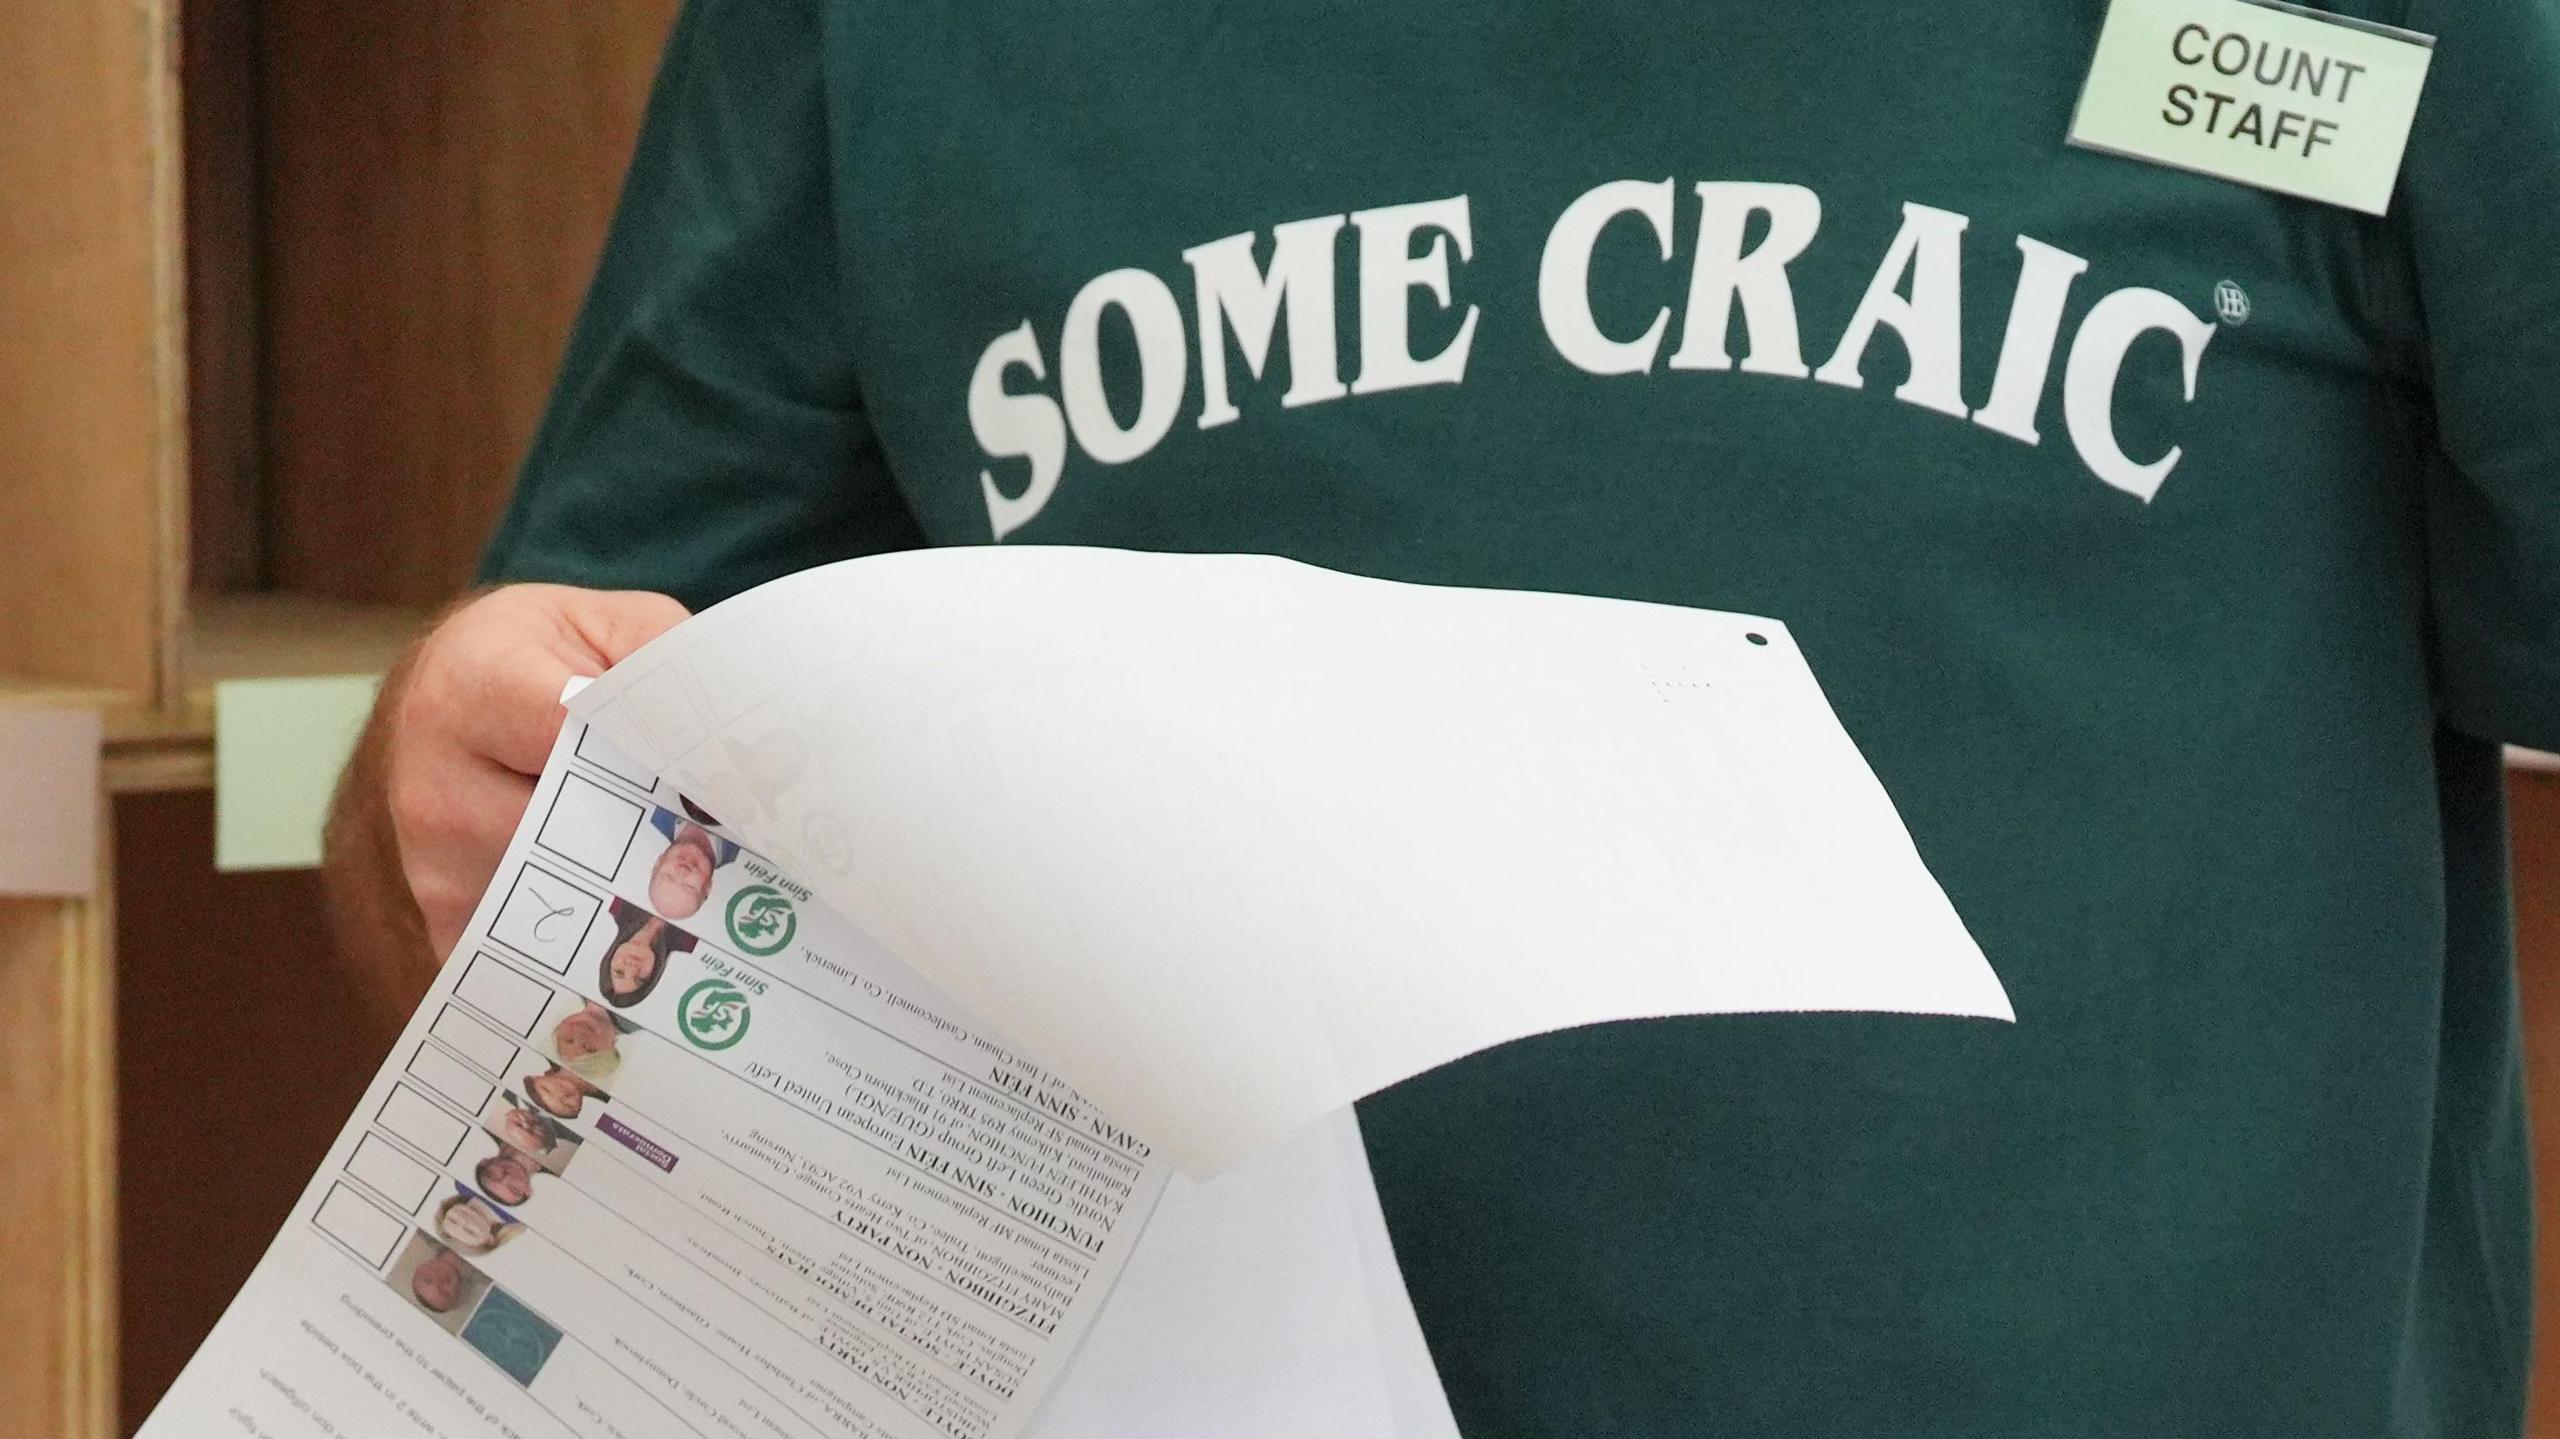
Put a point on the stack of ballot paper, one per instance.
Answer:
(879, 945)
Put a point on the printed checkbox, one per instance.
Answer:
(384, 1168)
(545, 917)
(659, 708)
(614, 762)
(512, 999)
(589, 825)
(450, 1077)
(486, 1049)
(407, 1114)
(370, 1232)
(735, 673)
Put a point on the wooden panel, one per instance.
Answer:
(272, 1058)
(56, 1180)
(2535, 795)
(267, 636)
(218, 79)
(87, 440)
(439, 177)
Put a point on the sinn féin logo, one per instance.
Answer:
(760, 919)
(712, 1014)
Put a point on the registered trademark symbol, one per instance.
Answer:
(2231, 303)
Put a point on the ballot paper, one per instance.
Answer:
(874, 946)
(1229, 841)
(1264, 1304)
(628, 1175)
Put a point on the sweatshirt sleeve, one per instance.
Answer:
(706, 433)
(2482, 187)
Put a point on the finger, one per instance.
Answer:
(473, 812)
(616, 622)
(447, 888)
(451, 841)
(446, 913)
(506, 704)
(496, 798)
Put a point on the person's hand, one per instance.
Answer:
(460, 732)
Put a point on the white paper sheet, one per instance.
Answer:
(1262, 1304)
(1230, 841)
(843, 1209)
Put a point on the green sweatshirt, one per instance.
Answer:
(2175, 550)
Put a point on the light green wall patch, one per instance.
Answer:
(278, 746)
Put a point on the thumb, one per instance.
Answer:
(613, 623)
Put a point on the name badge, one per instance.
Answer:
(2263, 93)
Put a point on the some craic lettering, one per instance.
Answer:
(1250, 296)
